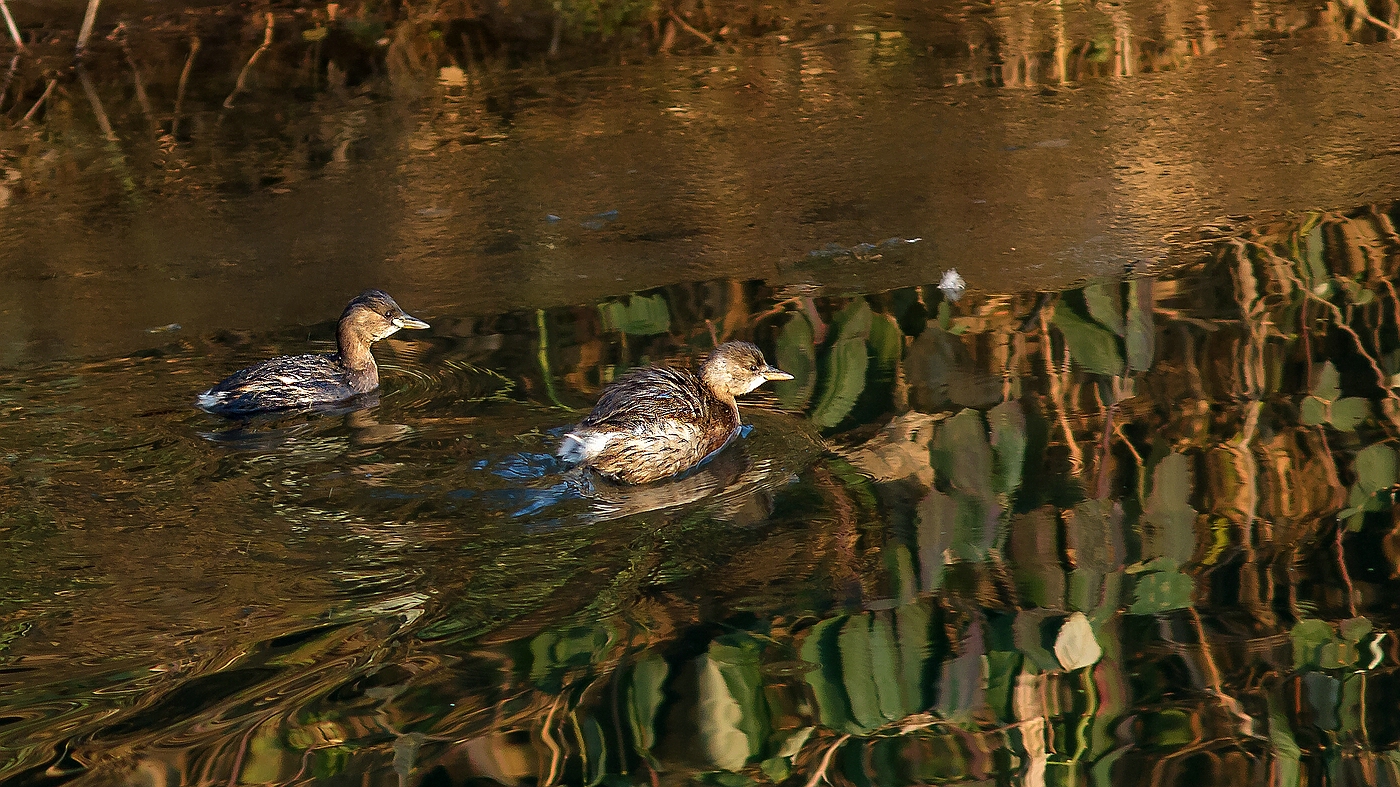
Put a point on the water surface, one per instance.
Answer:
(1122, 514)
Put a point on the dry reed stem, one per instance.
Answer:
(242, 82)
(89, 20)
(34, 110)
(10, 23)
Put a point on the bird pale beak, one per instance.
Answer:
(774, 373)
(407, 321)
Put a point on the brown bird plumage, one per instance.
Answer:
(657, 421)
(305, 380)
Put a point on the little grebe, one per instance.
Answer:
(657, 421)
(305, 380)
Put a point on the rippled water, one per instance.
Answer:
(1122, 514)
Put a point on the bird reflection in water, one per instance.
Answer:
(281, 430)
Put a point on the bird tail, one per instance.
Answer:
(580, 447)
(572, 449)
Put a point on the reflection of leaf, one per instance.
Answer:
(595, 748)
(1316, 269)
(1141, 333)
(821, 650)
(884, 657)
(796, 356)
(1354, 629)
(858, 672)
(1328, 387)
(641, 316)
(1284, 745)
(725, 745)
(1348, 413)
(845, 365)
(960, 687)
(1035, 557)
(1089, 345)
(912, 627)
(1375, 468)
(644, 697)
(886, 341)
(1313, 411)
(1168, 521)
(737, 657)
(1008, 445)
(1161, 591)
(1075, 645)
(961, 454)
(1105, 301)
(1308, 638)
(776, 769)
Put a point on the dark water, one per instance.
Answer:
(1120, 515)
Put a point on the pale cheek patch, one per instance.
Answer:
(757, 382)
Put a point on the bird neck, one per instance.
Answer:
(355, 355)
(724, 398)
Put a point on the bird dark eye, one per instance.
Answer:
(753, 368)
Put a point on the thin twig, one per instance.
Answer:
(88, 21)
(243, 75)
(184, 82)
(34, 110)
(687, 28)
(10, 22)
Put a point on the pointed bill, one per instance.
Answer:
(774, 373)
(407, 321)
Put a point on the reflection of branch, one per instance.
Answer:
(9, 77)
(34, 110)
(554, 750)
(1342, 567)
(88, 21)
(141, 97)
(687, 28)
(242, 82)
(184, 82)
(97, 110)
(1341, 322)
(10, 22)
(1057, 395)
(1381, 379)
(820, 774)
(544, 361)
(1359, 6)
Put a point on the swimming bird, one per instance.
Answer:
(657, 421)
(304, 380)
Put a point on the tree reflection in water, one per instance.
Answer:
(1135, 532)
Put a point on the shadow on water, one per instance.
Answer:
(1136, 532)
